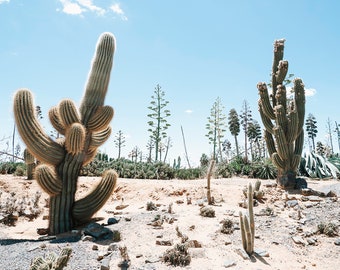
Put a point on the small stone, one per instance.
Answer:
(105, 264)
(337, 242)
(228, 242)
(139, 255)
(164, 243)
(43, 245)
(315, 198)
(306, 191)
(94, 247)
(229, 263)
(331, 193)
(87, 238)
(242, 253)
(311, 241)
(128, 219)
(112, 247)
(298, 240)
(262, 252)
(292, 203)
(112, 220)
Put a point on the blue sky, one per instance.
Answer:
(196, 50)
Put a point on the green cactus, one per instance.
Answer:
(83, 131)
(283, 122)
(30, 164)
(247, 224)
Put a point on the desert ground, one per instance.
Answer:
(286, 226)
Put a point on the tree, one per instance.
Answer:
(150, 146)
(216, 127)
(234, 127)
(158, 123)
(254, 136)
(311, 129)
(168, 145)
(119, 141)
(329, 131)
(246, 118)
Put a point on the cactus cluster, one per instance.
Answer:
(283, 119)
(52, 261)
(83, 131)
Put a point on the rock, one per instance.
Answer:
(139, 256)
(128, 219)
(87, 238)
(306, 191)
(242, 253)
(98, 231)
(337, 242)
(331, 193)
(112, 247)
(194, 244)
(227, 242)
(112, 220)
(94, 247)
(262, 252)
(105, 265)
(298, 240)
(292, 203)
(164, 242)
(270, 185)
(229, 263)
(311, 241)
(315, 198)
(121, 207)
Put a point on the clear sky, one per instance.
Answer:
(196, 50)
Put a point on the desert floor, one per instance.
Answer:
(288, 235)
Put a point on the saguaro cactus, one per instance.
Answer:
(283, 120)
(30, 164)
(83, 131)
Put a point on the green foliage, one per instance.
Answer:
(10, 167)
(264, 169)
(330, 229)
(190, 173)
(311, 129)
(234, 126)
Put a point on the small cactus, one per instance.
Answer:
(52, 261)
(83, 131)
(247, 224)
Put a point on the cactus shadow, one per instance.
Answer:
(256, 257)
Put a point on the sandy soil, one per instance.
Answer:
(275, 234)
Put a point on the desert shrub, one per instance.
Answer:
(227, 226)
(223, 170)
(206, 211)
(52, 260)
(330, 229)
(150, 206)
(20, 170)
(177, 256)
(191, 173)
(12, 207)
(10, 167)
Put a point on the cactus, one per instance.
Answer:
(83, 131)
(247, 224)
(283, 122)
(52, 261)
(30, 164)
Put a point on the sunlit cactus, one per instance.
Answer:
(283, 120)
(83, 130)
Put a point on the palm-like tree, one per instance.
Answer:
(234, 127)
(311, 128)
(254, 135)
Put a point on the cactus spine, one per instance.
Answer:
(83, 131)
(247, 224)
(283, 122)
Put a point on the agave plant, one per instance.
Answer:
(316, 166)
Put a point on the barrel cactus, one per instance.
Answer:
(83, 130)
(283, 119)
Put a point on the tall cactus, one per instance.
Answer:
(83, 131)
(283, 122)
(30, 164)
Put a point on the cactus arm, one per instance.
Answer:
(53, 115)
(293, 124)
(48, 179)
(270, 142)
(75, 138)
(266, 120)
(265, 102)
(38, 143)
(86, 207)
(99, 76)
(282, 146)
(101, 119)
(99, 138)
(300, 99)
(68, 112)
(278, 162)
(281, 118)
(281, 73)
